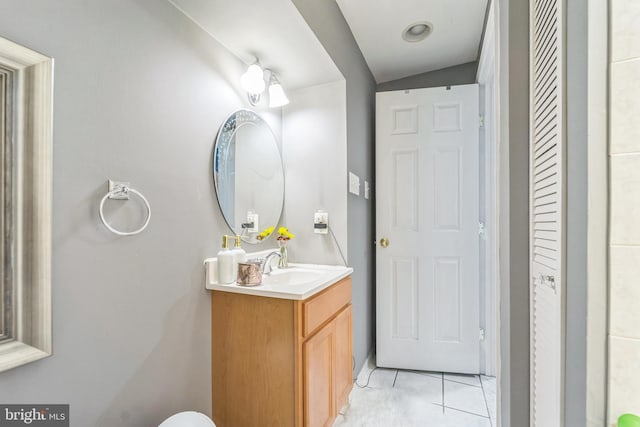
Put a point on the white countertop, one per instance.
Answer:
(298, 282)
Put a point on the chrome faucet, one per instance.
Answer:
(266, 264)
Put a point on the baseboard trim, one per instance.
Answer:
(368, 366)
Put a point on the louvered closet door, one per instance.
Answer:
(547, 195)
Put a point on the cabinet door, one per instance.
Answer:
(318, 351)
(343, 357)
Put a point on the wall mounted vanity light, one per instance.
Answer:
(253, 81)
(277, 97)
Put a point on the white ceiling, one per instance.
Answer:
(377, 26)
(272, 30)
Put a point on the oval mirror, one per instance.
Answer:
(248, 176)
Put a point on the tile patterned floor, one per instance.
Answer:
(398, 398)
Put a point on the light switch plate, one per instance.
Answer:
(354, 184)
(367, 190)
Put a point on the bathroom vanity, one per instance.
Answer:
(282, 352)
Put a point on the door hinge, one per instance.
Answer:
(481, 121)
(481, 229)
(481, 334)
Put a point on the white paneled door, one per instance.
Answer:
(427, 210)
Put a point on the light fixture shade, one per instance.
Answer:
(277, 97)
(253, 80)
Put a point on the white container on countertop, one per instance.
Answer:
(239, 255)
(226, 263)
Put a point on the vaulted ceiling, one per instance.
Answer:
(271, 30)
(378, 25)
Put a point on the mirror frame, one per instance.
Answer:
(245, 115)
(25, 199)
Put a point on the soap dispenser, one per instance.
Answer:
(225, 263)
(239, 256)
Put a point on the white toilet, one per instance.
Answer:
(188, 419)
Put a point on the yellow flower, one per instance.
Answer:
(284, 233)
(265, 233)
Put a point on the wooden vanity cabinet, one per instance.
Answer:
(327, 371)
(279, 362)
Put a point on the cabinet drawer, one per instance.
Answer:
(320, 308)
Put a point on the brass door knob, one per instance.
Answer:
(384, 242)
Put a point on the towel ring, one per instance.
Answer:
(120, 191)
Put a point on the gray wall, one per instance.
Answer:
(139, 94)
(314, 128)
(514, 215)
(577, 208)
(457, 75)
(326, 20)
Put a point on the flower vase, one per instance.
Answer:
(283, 262)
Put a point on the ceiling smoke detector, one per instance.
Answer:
(417, 31)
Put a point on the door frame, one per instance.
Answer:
(595, 370)
(511, 107)
(486, 78)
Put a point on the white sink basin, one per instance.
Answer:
(297, 282)
(292, 276)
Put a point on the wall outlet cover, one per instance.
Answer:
(321, 222)
(252, 218)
